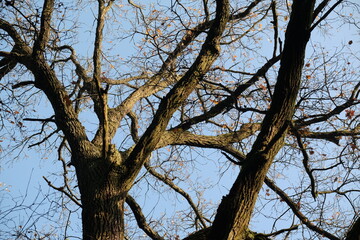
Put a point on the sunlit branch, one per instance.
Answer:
(179, 93)
(162, 78)
(134, 4)
(124, 80)
(188, 37)
(134, 126)
(102, 93)
(177, 136)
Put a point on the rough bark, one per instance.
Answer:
(234, 212)
(102, 195)
(178, 94)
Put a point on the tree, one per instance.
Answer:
(277, 108)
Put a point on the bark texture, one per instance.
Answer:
(234, 213)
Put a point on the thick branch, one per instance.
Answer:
(162, 78)
(43, 37)
(180, 92)
(177, 136)
(102, 93)
(134, 126)
(229, 101)
(234, 212)
(9, 29)
(6, 65)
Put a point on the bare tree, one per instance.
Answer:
(232, 76)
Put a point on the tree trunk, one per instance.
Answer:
(103, 194)
(234, 213)
(103, 215)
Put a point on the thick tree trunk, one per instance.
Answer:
(103, 215)
(235, 210)
(103, 194)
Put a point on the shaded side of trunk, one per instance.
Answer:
(103, 215)
(103, 195)
(354, 232)
(234, 213)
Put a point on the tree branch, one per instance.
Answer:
(305, 161)
(323, 117)
(6, 65)
(141, 220)
(177, 189)
(275, 24)
(45, 27)
(163, 77)
(177, 136)
(178, 94)
(102, 93)
(22, 84)
(134, 126)
(62, 189)
(235, 210)
(354, 231)
(294, 207)
(229, 101)
(322, 5)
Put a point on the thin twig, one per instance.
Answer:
(295, 208)
(177, 189)
(61, 189)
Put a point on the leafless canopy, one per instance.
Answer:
(156, 109)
